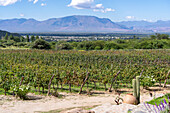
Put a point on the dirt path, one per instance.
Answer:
(9, 104)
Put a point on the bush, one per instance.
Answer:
(21, 91)
(64, 46)
(21, 44)
(97, 48)
(41, 44)
(112, 45)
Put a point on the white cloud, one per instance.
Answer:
(130, 17)
(104, 10)
(34, 1)
(99, 6)
(7, 2)
(43, 4)
(109, 9)
(89, 4)
(22, 15)
(81, 4)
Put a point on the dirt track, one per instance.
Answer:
(9, 104)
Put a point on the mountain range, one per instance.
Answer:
(141, 26)
(77, 23)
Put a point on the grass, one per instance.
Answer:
(159, 99)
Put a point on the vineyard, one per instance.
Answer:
(44, 71)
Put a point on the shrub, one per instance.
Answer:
(64, 46)
(41, 44)
(21, 91)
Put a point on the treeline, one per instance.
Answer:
(24, 42)
(157, 41)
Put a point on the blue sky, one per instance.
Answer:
(116, 10)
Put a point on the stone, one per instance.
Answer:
(130, 99)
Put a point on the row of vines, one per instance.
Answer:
(42, 69)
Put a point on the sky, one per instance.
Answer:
(116, 10)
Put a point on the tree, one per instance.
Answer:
(112, 45)
(158, 35)
(27, 39)
(153, 37)
(41, 44)
(32, 38)
(21, 39)
(64, 46)
(11, 37)
(17, 39)
(6, 36)
(37, 37)
(164, 36)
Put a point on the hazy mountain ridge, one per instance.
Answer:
(65, 24)
(158, 26)
(77, 23)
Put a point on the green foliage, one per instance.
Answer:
(32, 38)
(6, 36)
(9, 43)
(97, 48)
(53, 45)
(158, 41)
(22, 39)
(16, 39)
(37, 37)
(162, 36)
(70, 68)
(147, 81)
(11, 37)
(21, 44)
(27, 39)
(65, 46)
(112, 45)
(6, 80)
(151, 44)
(145, 43)
(159, 99)
(41, 44)
(21, 91)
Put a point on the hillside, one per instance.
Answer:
(65, 24)
(158, 26)
(3, 33)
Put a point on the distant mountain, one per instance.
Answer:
(3, 33)
(65, 24)
(159, 26)
(79, 23)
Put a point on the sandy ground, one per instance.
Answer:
(9, 104)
